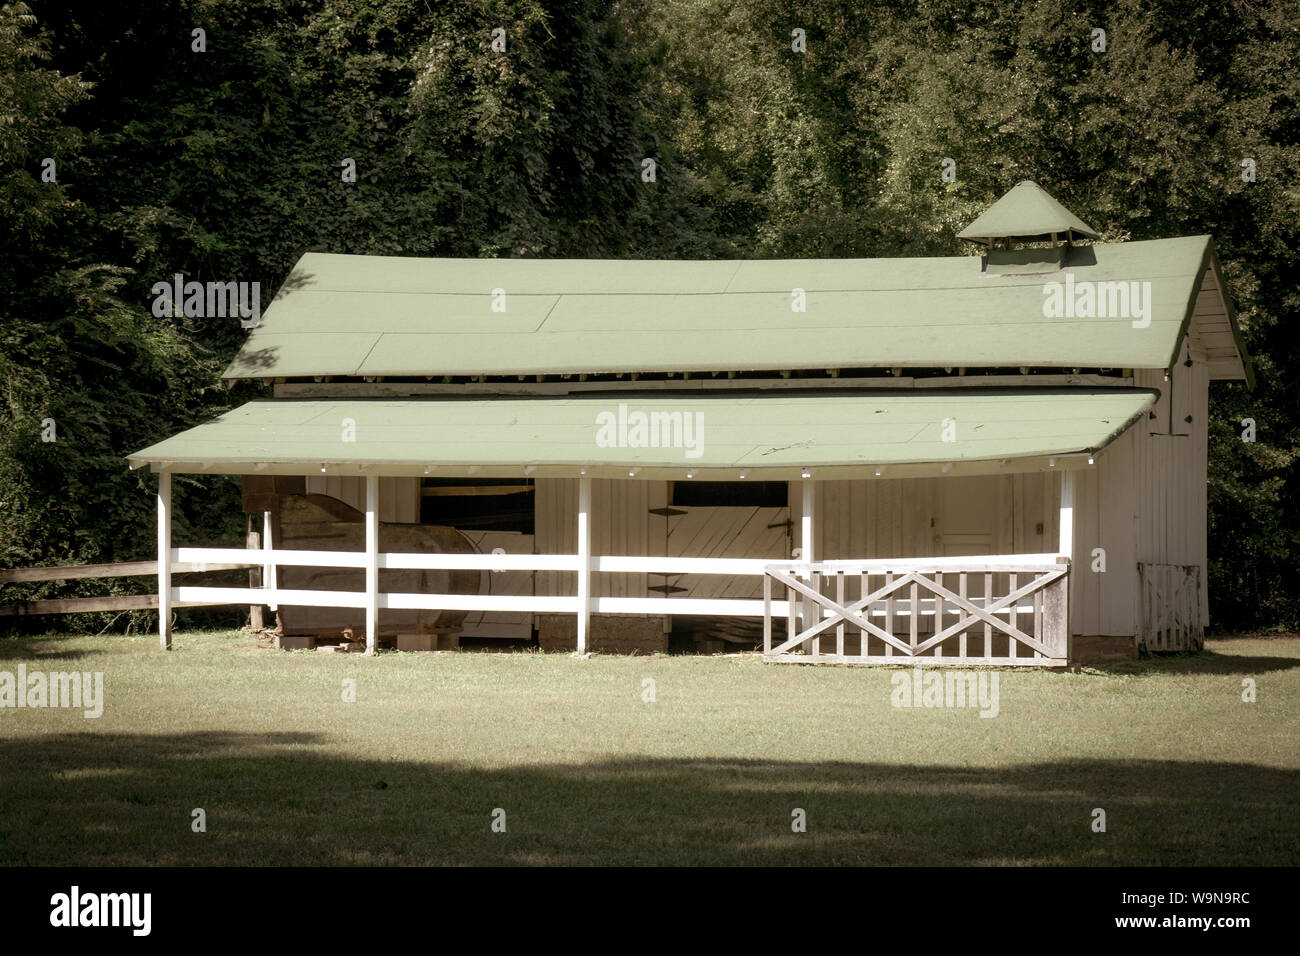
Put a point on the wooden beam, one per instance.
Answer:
(920, 661)
(458, 491)
(120, 569)
(165, 561)
(672, 471)
(372, 564)
(254, 542)
(584, 563)
(113, 602)
(123, 569)
(342, 390)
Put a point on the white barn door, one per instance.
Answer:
(746, 532)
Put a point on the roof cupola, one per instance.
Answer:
(1025, 216)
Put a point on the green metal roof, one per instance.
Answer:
(1027, 210)
(383, 316)
(770, 435)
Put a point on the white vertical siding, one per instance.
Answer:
(1143, 501)
(399, 498)
(1116, 505)
(621, 523)
(916, 518)
(555, 529)
(1171, 471)
(1105, 510)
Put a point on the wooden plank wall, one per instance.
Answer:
(726, 533)
(1105, 516)
(555, 529)
(868, 518)
(399, 498)
(1144, 502)
(865, 518)
(919, 518)
(1171, 472)
(621, 524)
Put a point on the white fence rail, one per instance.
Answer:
(273, 596)
(1006, 609)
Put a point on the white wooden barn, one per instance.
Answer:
(995, 458)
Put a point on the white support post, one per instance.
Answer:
(1064, 641)
(165, 561)
(807, 552)
(372, 563)
(268, 564)
(1066, 546)
(584, 562)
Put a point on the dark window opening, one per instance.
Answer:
(729, 494)
(479, 504)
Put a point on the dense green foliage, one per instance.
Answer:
(225, 165)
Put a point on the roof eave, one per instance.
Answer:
(1060, 461)
(1247, 366)
(1210, 260)
(1049, 455)
(1068, 232)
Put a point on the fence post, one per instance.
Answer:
(1056, 614)
(372, 564)
(165, 560)
(253, 542)
(269, 582)
(584, 562)
(767, 614)
(807, 552)
(1065, 547)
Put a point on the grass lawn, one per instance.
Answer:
(587, 772)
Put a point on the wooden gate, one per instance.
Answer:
(995, 610)
(1171, 607)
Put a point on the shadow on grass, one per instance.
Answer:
(1200, 662)
(112, 799)
(40, 649)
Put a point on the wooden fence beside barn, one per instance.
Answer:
(84, 605)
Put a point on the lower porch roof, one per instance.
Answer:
(727, 436)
